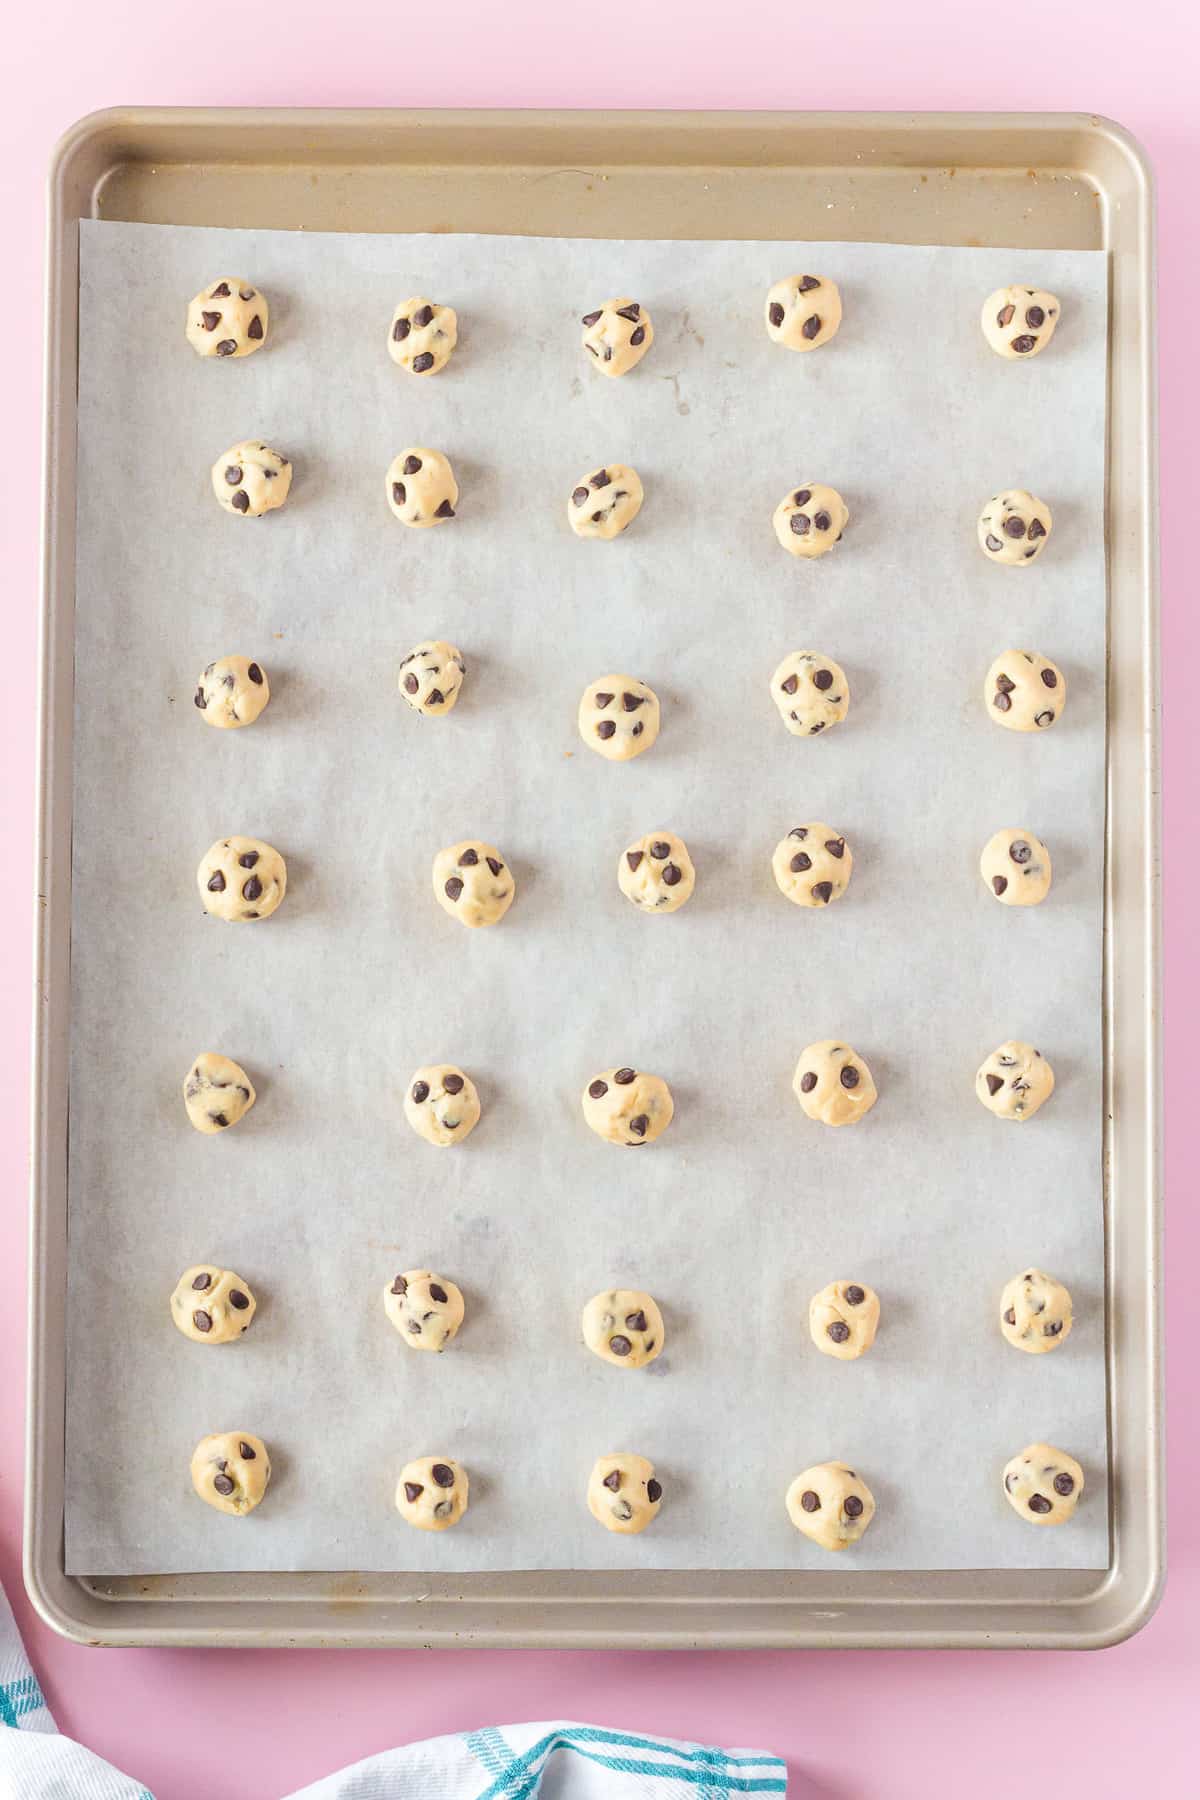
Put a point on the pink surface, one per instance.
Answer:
(850, 1726)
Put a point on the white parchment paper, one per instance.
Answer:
(745, 1208)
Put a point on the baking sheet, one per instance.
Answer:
(745, 1208)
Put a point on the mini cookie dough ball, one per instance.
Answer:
(228, 319)
(241, 878)
(231, 1469)
(217, 1092)
(472, 882)
(421, 489)
(603, 503)
(431, 675)
(623, 1493)
(442, 1105)
(1015, 867)
(1014, 1081)
(432, 1493)
(212, 1306)
(624, 1327)
(1014, 527)
(251, 479)
(232, 691)
(1018, 322)
(422, 336)
(619, 717)
(812, 865)
(843, 1319)
(624, 1106)
(833, 1084)
(425, 1308)
(831, 1505)
(656, 873)
(1024, 692)
(1035, 1312)
(1043, 1484)
(617, 336)
(811, 519)
(803, 311)
(811, 692)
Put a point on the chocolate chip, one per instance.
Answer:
(227, 346)
(852, 1506)
(1051, 1328)
(606, 729)
(219, 1119)
(620, 1346)
(592, 317)
(654, 1491)
(612, 1480)
(1010, 1317)
(672, 875)
(775, 313)
(444, 511)
(453, 1084)
(855, 1295)
(247, 1452)
(254, 329)
(202, 1281)
(636, 1321)
(202, 1320)
(849, 1075)
(422, 363)
(1064, 1484)
(223, 1485)
(199, 699)
(1005, 316)
(443, 1474)
(238, 1300)
(601, 479)
(1001, 701)
(412, 464)
(811, 326)
(993, 543)
(808, 1082)
(791, 684)
(823, 679)
(802, 496)
(216, 882)
(637, 730)
(423, 316)
(623, 1077)
(241, 501)
(999, 884)
(420, 1093)
(1038, 1503)
(252, 889)
(413, 1491)
(1020, 852)
(632, 312)
(598, 1089)
(221, 291)
(660, 849)
(579, 495)
(411, 684)
(608, 355)
(1035, 318)
(399, 493)
(210, 320)
(1022, 345)
(838, 1331)
(469, 859)
(807, 284)
(255, 674)
(800, 862)
(810, 1501)
(801, 524)
(248, 859)
(994, 1083)
(640, 1125)
(494, 864)
(1043, 718)
(438, 1293)
(634, 857)
(823, 891)
(1049, 678)
(836, 847)
(822, 521)
(233, 473)
(1036, 529)
(454, 888)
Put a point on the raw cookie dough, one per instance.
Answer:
(231, 1469)
(432, 1493)
(603, 503)
(1043, 1484)
(1014, 527)
(472, 882)
(803, 311)
(812, 865)
(656, 872)
(228, 319)
(421, 489)
(811, 519)
(431, 675)
(1024, 692)
(619, 717)
(625, 1107)
(212, 1306)
(251, 479)
(1035, 1312)
(843, 1319)
(1014, 1081)
(422, 336)
(1018, 322)
(1015, 867)
(811, 692)
(241, 878)
(623, 1493)
(232, 691)
(441, 1104)
(833, 1084)
(617, 336)
(624, 1327)
(425, 1308)
(831, 1505)
(217, 1092)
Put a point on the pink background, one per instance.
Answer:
(862, 1724)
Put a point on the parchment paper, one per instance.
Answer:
(745, 1208)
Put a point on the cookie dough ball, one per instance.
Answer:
(811, 519)
(1018, 322)
(251, 479)
(624, 1327)
(1015, 867)
(831, 1505)
(241, 878)
(1014, 1081)
(623, 1493)
(811, 692)
(812, 865)
(431, 675)
(232, 691)
(473, 883)
(228, 319)
(803, 311)
(617, 336)
(624, 1106)
(603, 503)
(217, 1092)
(432, 1493)
(212, 1306)
(442, 1105)
(656, 873)
(1035, 1312)
(833, 1084)
(231, 1469)
(421, 489)
(1014, 527)
(1043, 1484)
(843, 1319)
(619, 717)
(1024, 692)
(425, 1308)
(422, 336)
